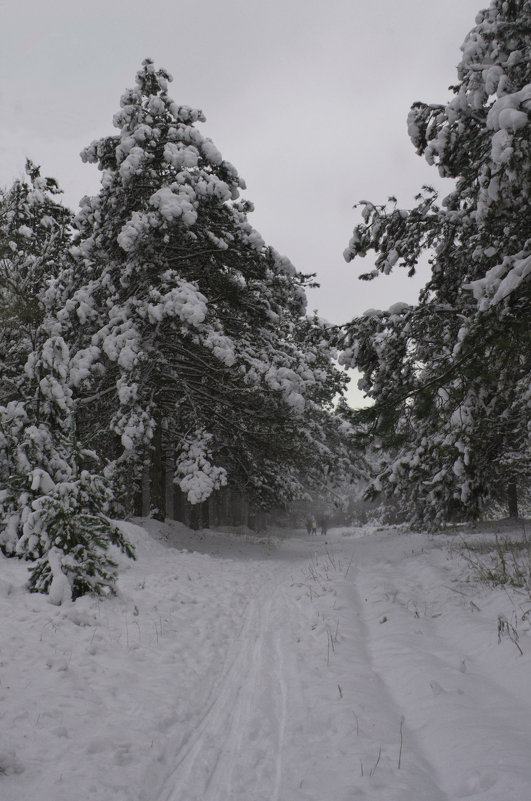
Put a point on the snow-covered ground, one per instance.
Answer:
(360, 665)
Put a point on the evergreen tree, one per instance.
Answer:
(189, 322)
(34, 238)
(450, 375)
(52, 507)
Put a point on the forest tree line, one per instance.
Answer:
(157, 357)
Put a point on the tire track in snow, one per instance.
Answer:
(282, 718)
(380, 713)
(459, 707)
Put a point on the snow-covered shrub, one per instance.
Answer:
(68, 537)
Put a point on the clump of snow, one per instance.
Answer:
(82, 363)
(60, 591)
(184, 301)
(41, 481)
(510, 112)
(134, 428)
(491, 78)
(289, 383)
(156, 105)
(132, 164)
(501, 280)
(120, 340)
(397, 308)
(175, 201)
(142, 133)
(194, 472)
(127, 393)
(501, 147)
(221, 346)
(211, 152)
(137, 225)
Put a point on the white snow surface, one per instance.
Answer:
(360, 665)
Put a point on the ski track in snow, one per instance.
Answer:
(218, 755)
(358, 667)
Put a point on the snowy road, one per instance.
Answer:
(345, 683)
(360, 666)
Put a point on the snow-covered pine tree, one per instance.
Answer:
(34, 237)
(52, 508)
(189, 321)
(450, 375)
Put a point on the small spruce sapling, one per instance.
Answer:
(73, 535)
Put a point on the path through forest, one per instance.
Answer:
(360, 665)
(346, 681)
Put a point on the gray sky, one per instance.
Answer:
(307, 98)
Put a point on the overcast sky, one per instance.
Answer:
(307, 98)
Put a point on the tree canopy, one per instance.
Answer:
(190, 323)
(449, 376)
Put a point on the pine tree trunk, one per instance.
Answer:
(158, 484)
(177, 503)
(187, 512)
(146, 493)
(205, 514)
(512, 499)
(212, 510)
(196, 517)
(169, 494)
(138, 500)
(245, 511)
(227, 508)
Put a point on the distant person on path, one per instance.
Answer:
(314, 525)
(309, 525)
(324, 526)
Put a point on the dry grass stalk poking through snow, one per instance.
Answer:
(503, 562)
